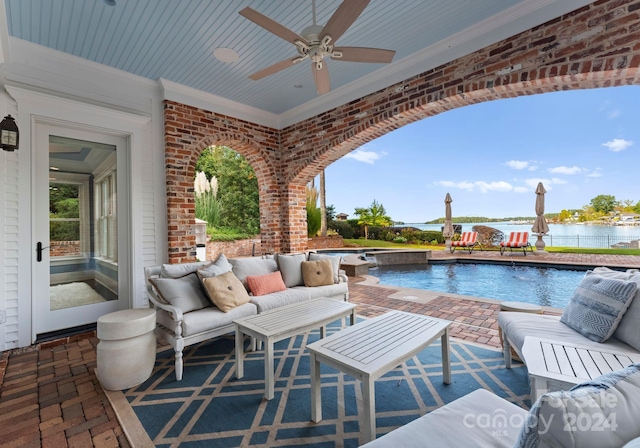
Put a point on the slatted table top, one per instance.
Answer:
(301, 315)
(374, 344)
(572, 363)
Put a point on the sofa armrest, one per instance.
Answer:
(155, 300)
(342, 276)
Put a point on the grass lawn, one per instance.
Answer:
(360, 242)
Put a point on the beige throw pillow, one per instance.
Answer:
(226, 291)
(317, 273)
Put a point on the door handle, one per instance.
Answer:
(39, 250)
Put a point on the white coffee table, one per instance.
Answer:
(282, 323)
(371, 348)
(556, 365)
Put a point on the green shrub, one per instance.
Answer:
(314, 220)
(343, 228)
(399, 239)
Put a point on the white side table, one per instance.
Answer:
(126, 352)
(556, 365)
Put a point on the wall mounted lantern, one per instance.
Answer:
(9, 134)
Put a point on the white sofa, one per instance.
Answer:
(601, 413)
(185, 315)
(626, 337)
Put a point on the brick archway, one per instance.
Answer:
(188, 131)
(595, 46)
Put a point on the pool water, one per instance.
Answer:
(540, 286)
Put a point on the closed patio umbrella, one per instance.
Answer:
(447, 232)
(540, 226)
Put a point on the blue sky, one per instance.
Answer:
(490, 157)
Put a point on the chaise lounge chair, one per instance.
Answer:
(518, 240)
(468, 240)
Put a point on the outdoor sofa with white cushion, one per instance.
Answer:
(600, 413)
(199, 301)
(620, 332)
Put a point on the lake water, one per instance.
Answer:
(567, 235)
(539, 286)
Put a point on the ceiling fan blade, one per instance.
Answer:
(272, 69)
(343, 17)
(271, 25)
(363, 54)
(321, 78)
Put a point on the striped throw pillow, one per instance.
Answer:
(597, 306)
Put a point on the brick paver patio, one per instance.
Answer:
(50, 396)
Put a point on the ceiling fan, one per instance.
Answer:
(317, 42)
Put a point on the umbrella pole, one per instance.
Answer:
(540, 245)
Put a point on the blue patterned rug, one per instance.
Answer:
(211, 408)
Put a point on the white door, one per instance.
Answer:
(80, 227)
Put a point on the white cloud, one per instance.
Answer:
(568, 170)
(522, 190)
(533, 183)
(613, 114)
(596, 173)
(482, 186)
(494, 186)
(618, 144)
(517, 164)
(522, 165)
(363, 156)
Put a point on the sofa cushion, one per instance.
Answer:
(252, 266)
(478, 419)
(226, 291)
(317, 273)
(629, 328)
(334, 291)
(260, 285)
(600, 413)
(220, 266)
(206, 319)
(281, 298)
(291, 268)
(181, 269)
(597, 306)
(185, 293)
(517, 326)
(335, 263)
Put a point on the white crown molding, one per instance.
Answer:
(214, 103)
(516, 19)
(55, 71)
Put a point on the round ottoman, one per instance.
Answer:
(126, 352)
(519, 307)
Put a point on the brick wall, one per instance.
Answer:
(326, 242)
(595, 46)
(64, 248)
(240, 248)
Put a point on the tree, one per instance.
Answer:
(565, 215)
(374, 215)
(237, 188)
(604, 203)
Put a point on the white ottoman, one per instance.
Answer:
(126, 352)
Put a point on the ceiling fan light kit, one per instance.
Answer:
(317, 42)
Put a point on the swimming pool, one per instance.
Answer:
(541, 286)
